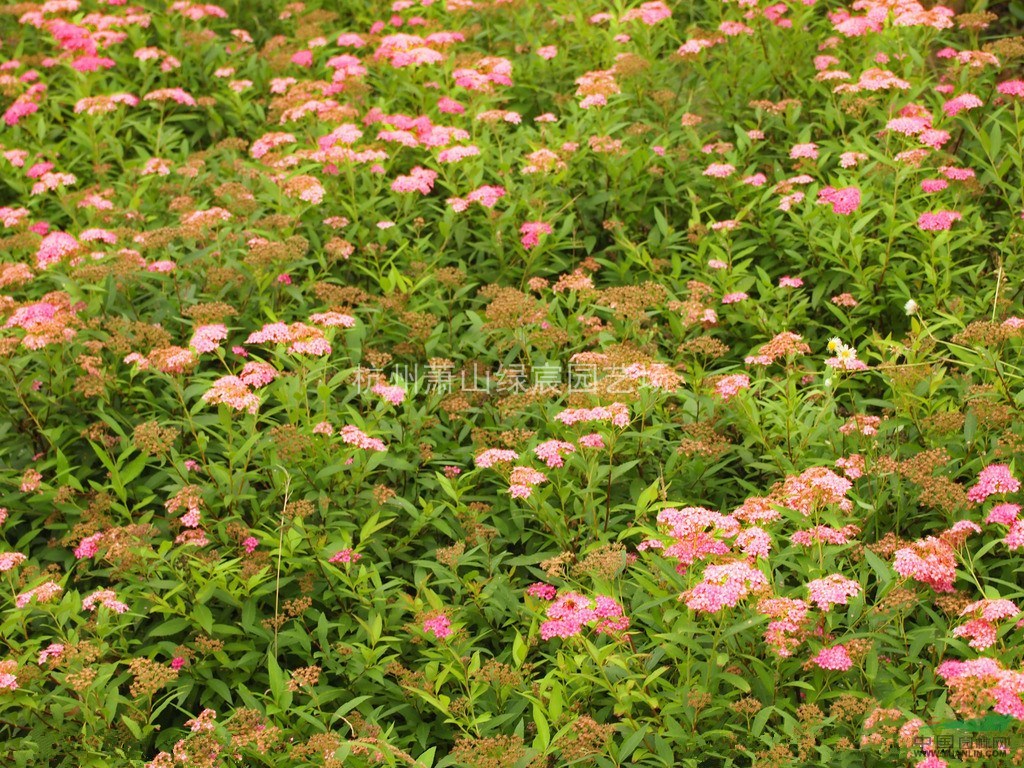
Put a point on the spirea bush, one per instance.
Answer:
(506, 384)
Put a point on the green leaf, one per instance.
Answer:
(134, 469)
(519, 650)
(170, 627)
(760, 720)
(221, 688)
(543, 737)
(132, 726)
(647, 497)
(970, 426)
(881, 568)
(736, 680)
(659, 218)
(276, 678)
(628, 747)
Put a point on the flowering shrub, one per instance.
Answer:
(482, 383)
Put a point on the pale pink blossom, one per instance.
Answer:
(832, 590)
(438, 625)
(106, 598)
(994, 479)
(836, 658)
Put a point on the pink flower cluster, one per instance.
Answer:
(51, 653)
(438, 624)
(984, 681)
(51, 181)
(407, 50)
(616, 413)
(207, 338)
(189, 498)
(757, 509)
(696, 45)
(355, 436)
(105, 597)
(863, 424)
(824, 534)
(569, 614)
(542, 591)
(754, 541)
(835, 658)
(844, 201)
(269, 142)
(649, 13)
(832, 590)
(30, 480)
(938, 221)
(930, 561)
(332, 320)
(392, 394)
(657, 375)
(233, 392)
(487, 196)
(1008, 515)
(696, 533)
(852, 465)
(1003, 514)
(493, 456)
(522, 480)
(8, 675)
(1011, 88)
(9, 560)
(89, 546)
(11, 217)
(785, 632)
(782, 344)
(531, 231)
(551, 452)
(345, 556)
(55, 247)
(720, 170)
(724, 586)
(44, 593)
(959, 532)
(301, 339)
(813, 489)
(45, 322)
(994, 479)
(457, 154)
(910, 124)
(960, 103)
(807, 151)
(177, 95)
(258, 374)
(419, 180)
(485, 74)
(845, 359)
(981, 627)
(729, 386)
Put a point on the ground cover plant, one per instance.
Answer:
(499, 384)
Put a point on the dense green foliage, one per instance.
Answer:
(505, 384)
